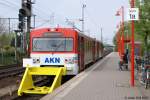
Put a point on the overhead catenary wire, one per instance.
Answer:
(15, 7)
(88, 16)
(42, 24)
(91, 19)
(40, 10)
(45, 18)
(8, 5)
(9, 8)
(12, 3)
(59, 17)
(39, 15)
(93, 22)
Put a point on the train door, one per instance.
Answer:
(81, 53)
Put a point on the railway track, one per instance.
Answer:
(10, 70)
(8, 66)
(14, 96)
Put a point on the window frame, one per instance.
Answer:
(54, 37)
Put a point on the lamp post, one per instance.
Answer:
(119, 46)
(132, 48)
(120, 12)
(122, 8)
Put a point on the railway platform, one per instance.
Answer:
(101, 81)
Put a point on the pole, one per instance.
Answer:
(102, 35)
(28, 24)
(9, 25)
(121, 50)
(23, 38)
(15, 46)
(120, 40)
(34, 20)
(132, 49)
(127, 38)
(120, 44)
(28, 33)
(83, 6)
(2, 55)
(23, 33)
(29, 17)
(122, 30)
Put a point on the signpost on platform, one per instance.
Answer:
(132, 14)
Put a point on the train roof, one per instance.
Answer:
(65, 29)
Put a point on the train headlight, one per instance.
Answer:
(68, 61)
(71, 60)
(36, 60)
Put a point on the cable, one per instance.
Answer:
(93, 21)
(41, 24)
(39, 10)
(9, 6)
(12, 3)
(87, 12)
(59, 16)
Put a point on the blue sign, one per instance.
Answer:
(52, 60)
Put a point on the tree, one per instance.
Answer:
(127, 33)
(142, 27)
(4, 40)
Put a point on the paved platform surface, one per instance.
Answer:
(102, 81)
(8, 90)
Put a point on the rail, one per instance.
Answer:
(10, 71)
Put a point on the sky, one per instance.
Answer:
(51, 13)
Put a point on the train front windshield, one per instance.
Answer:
(52, 44)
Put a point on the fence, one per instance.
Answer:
(6, 59)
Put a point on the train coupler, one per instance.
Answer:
(27, 83)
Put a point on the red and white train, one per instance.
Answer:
(63, 47)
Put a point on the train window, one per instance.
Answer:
(52, 44)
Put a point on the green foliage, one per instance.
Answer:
(142, 27)
(127, 33)
(4, 40)
(7, 53)
(8, 50)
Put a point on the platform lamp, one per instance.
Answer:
(120, 12)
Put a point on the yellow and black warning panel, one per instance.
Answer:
(27, 83)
